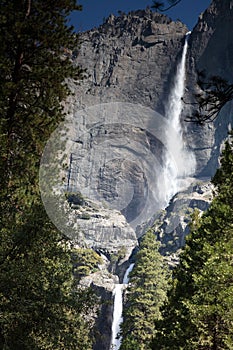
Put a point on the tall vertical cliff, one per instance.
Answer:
(211, 45)
(211, 51)
(130, 62)
(131, 59)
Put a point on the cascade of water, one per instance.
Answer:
(126, 275)
(179, 161)
(117, 316)
(118, 308)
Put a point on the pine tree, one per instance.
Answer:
(145, 296)
(199, 314)
(41, 307)
(34, 67)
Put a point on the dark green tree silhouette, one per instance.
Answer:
(149, 283)
(41, 306)
(199, 313)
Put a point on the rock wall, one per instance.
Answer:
(211, 51)
(211, 42)
(171, 225)
(132, 59)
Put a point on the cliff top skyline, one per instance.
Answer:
(93, 13)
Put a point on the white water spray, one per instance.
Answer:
(117, 316)
(179, 161)
(118, 308)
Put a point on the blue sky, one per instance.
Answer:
(94, 11)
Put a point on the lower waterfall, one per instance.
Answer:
(118, 308)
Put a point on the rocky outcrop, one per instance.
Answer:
(103, 229)
(130, 58)
(171, 225)
(211, 51)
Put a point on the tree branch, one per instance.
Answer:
(172, 5)
(158, 5)
(217, 93)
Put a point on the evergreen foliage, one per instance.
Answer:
(85, 261)
(199, 311)
(145, 295)
(41, 305)
(34, 66)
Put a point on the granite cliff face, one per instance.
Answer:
(211, 51)
(128, 59)
(171, 225)
(132, 60)
(211, 45)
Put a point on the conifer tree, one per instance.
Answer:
(145, 296)
(199, 314)
(34, 67)
(41, 308)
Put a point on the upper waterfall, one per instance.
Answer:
(179, 160)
